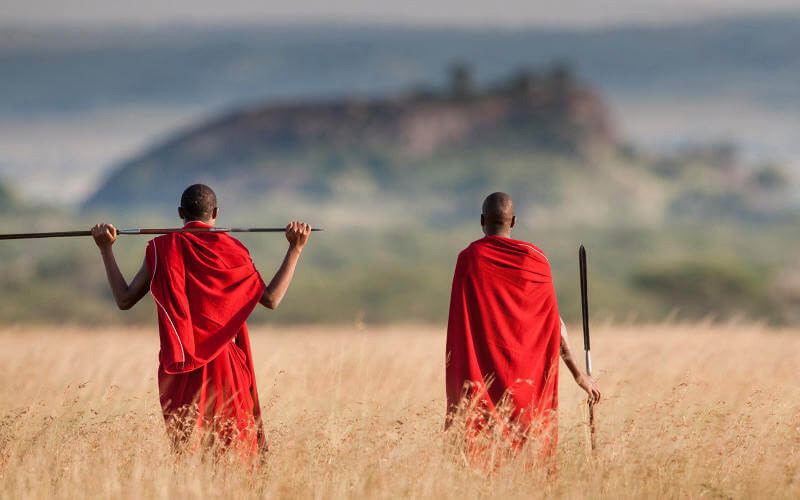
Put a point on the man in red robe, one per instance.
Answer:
(205, 286)
(504, 336)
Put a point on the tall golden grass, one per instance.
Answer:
(692, 410)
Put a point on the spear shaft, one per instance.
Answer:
(69, 234)
(586, 343)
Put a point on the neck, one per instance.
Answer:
(504, 232)
(208, 222)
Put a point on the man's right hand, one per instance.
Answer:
(588, 384)
(104, 235)
(297, 233)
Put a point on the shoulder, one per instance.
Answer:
(533, 255)
(160, 240)
(470, 255)
(151, 246)
(231, 250)
(532, 249)
(471, 251)
(233, 242)
(159, 243)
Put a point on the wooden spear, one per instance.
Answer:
(67, 234)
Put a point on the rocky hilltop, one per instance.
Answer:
(299, 146)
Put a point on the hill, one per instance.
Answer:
(299, 148)
(544, 136)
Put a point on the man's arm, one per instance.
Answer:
(586, 382)
(125, 295)
(297, 234)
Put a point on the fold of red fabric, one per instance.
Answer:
(205, 286)
(503, 338)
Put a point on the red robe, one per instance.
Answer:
(205, 286)
(503, 339)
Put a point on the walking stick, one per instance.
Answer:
(67, 234)
(586, 346)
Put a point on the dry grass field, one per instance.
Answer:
(695, 410)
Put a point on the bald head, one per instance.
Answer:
(498, 217)
(198, 202)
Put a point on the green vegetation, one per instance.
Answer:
(403, 274)
(697, 288)
(390, 259)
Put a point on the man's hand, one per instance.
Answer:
(125, 295)
(297, 233)
(104, 235)
(588, 384)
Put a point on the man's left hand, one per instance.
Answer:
(104, 235)
(297, 233)
(588, 384)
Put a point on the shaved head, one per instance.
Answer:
(498, 217)
(198, 202)
(498, 208)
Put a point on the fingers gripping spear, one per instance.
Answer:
(586, 345)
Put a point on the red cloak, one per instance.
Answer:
(205, 286)
(503, 338)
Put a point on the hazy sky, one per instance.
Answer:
(466, 12)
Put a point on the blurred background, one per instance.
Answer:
(662, 134)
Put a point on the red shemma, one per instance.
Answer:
(503, 339)
(205, 286)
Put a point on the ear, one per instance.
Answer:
(513, 220)
(483, 220)
(180, 213)
(215, 213)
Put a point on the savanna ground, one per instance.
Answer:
(690, 410)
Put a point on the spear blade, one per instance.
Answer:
(586, 343)
(585, 306)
